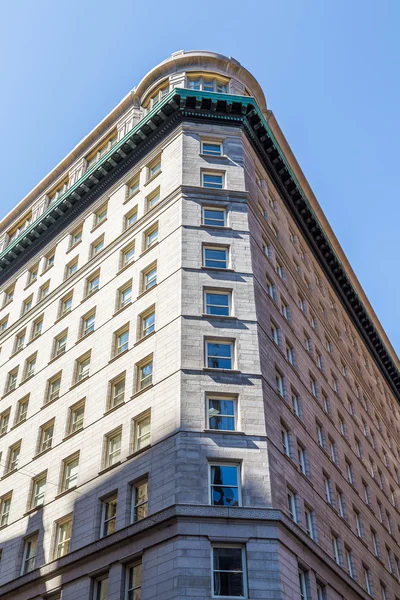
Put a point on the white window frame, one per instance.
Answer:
(218, 144)
(225, 261)
(232, 465)
(243, 570)
(233, 418)
(221, 342)
(209, 180)
(217, 292)
(218, 222)
(137, 502)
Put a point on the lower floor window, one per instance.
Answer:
(228, 571)
(134, 582)
(101, 589)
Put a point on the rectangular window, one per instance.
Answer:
(124, 295)
(145, 374)
(38, 490)
(83, 367)
(221, 413)
(303, 584)
(271, 290)
(335, 549)
(12, 380)
(76, 416)
(349, 562)
(13, 457)
(302, 459)
(285, 438)
(127, 255)
(215, 257)
(149, 277)
(133, 186)
(117, 394)
(19, 341)
(228, 572)
(151, 237)
(71, 268)
(33, 274)
(109, 515)
(5, 506)
(147, 323)
(63, 537)
(75, 237)
(3, 324)
(340, 503)
(66, 305)
(97, 246)
(4, 421)
(367, 580)
(275, 333)
(131, 218)
(291, 500)
(140, 501)
(100, 216)
(93, 283)
(154, 168)
(211, 148)
(30, 366)
(70, 473)
(113, 448)
(296, 405)
(225, 485)
(49, 260)
(60, 343)
(212, 180)
(141, 427)
(29, 555)
(8, 295)
(53, 388)
(309, 521)
(44, 290)
(217, 303)
(101, 589)
(88, 323)
(290, 353)
(328, 490)
(27, 305)
(46, 437)
(134, 582)
(22, 410)
(219, 355)
(121, 341)
(37, 327)
(214, 216)
(153, 199)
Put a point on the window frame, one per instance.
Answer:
(243, 570)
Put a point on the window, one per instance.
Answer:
(93, 283)
(27, 305)
(88, 323)
(117, 395)
(124, 295)
(12, 380)
(275, 333)
(335, 548)
(285, 310)
(145, 374)
(133, 186)
(217, 303)
(19, 341)
(384, 593)
(335, 384)
(320, 436)
(154, 168)
(366, 492)
(291, 500)
(33, 274)
(367, 580)
(49, 260)
(66, 305)
(108, 516)
(313, 387)
(38, 490)
(207, 84)
(147, 323)
(328, 345)
(325, 403)
(134, 582)
(141, 427)
(349, 562)
(22, 410)
(309, 521)
(219, 355)
(53, 388)
(349, 472)
(328, 490)
(153, 199)
(131, 218)
(151, 237)
(100, 216)
(97, 246)
(290, 353)
(279, 383)
(71, 268)
(228, 572)
(342, 426)
(5, 506)
(101, 150)
(221, 413)
(332, 450)
(271, 290)
(285, 438)
(321, 592)
(30, 366)
(8, 295)
(113, 448)
(215, 257)
(140, 501)
(121, 340)
(308, 343)
(212, 180)
(70, 473)
(4, 420)
(44, 290)
(224, 485)
(301, 456)
(267, 248)
(29, 555)
(358, 523)
(127, 255)
(375, 543)
(302, 304)
(154, 100)
(303, 584)
(101, 589)
(63, 537)
(320, 362)
(296, 404)
(340, 503)
(280, 270)
(75, 237)
(3, 324)
(76, 416)
(150, 277)
(46, 436)
(13, 457)
(214, 216)
(83, 367)
(60, 343)
(211, 148)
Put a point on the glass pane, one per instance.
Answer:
(219, 355)
(215, 258)
(217, 304)
(212, 149)
(212, 181)
(214, 217)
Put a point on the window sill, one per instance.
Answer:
(56, 358)
(129, 198)
(98, 225)
(62, 317)
(15, 353)
(147, 291)
(90, 295)
(114, 358)
(41, 454)
(6, 304)
(148, 249)
(137, 452)
(27, 379)
(8, 474)
(84, 337)
(152, 178)
(30, 284)
(8, 393)
(217, 156)
(65, 492)
(216, 227)
(79, 382)
(117, 464)
(125, 267)
(48, 403)
(47, 269)
(225, 431)
(218, 269)
(148, 387)
(70, 435)
(17, 425)
(113, 408)
(120, 310)
(146, 337)
(214, 370)
(73, 247)
(222, 317)
(33, 510)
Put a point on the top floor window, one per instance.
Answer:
(18, 229)
(101, 150)
(158, 95)
(211, 148)
(58, 191)
(212, 180)
(208, 84)
(214, 216)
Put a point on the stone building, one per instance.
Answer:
(197, 399)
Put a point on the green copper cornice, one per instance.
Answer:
(227, 109)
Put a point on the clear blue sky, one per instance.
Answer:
(329, 69)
